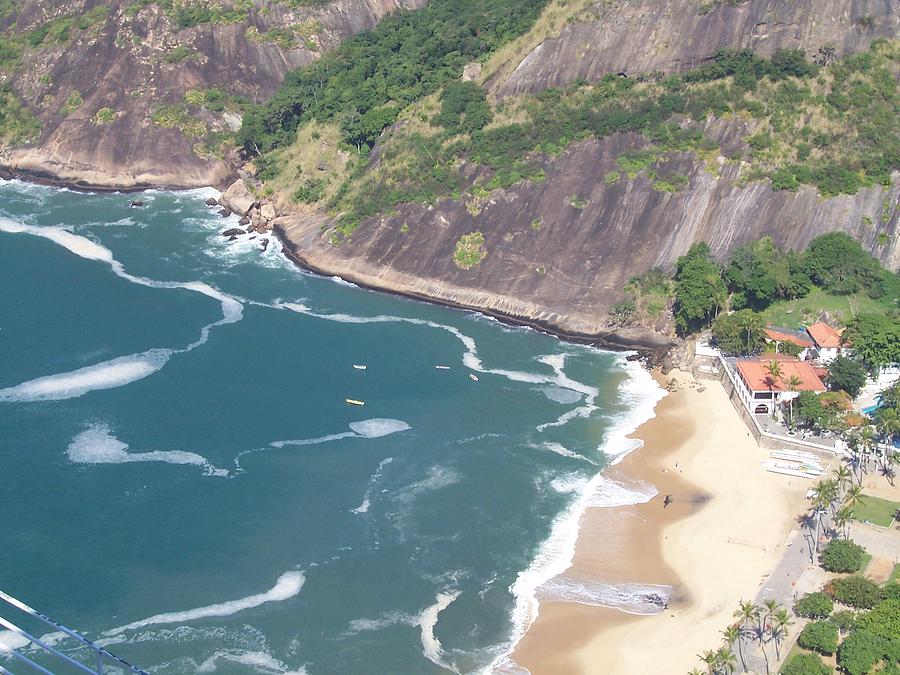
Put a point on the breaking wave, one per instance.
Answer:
(427, 620)
(644, 599)
(259, 661)
(122, 370)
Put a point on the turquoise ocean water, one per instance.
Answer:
(183, 482)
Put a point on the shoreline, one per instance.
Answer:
(713, 545)
(652, 347)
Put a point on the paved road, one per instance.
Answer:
(781, 585)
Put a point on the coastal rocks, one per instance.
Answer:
(136, 204)
(238, 198)
(267, 212)
(224, 213)
(244, 221)
(212, 201)
(233, 232)
(263, 245)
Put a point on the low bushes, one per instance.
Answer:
(814, 605)
(855, 591)
(805, 664)
(842, 555)
(860, 651)
(819, 636)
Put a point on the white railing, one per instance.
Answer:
(102, 661)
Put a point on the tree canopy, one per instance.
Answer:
(875, 338)
(741, 332)
(846, 374)
(699, 289)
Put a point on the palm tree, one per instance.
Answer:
(710, 660)
(780, 624)
(842, 519)
(867, 437)
(732, 635)
(695, 671)
(774, 374)
(821, 496)
(793, 382)
(725, 660)
(843, 476)
(747, 614)
(759, 634)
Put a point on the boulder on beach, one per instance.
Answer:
(238, 198)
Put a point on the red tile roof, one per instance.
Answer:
(756, 376)
(777, 335)
(824, 335)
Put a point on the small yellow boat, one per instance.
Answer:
(353, 401)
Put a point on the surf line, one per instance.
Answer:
(122, 370)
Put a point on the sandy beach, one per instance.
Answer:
(715, 543)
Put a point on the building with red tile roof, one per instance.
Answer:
(776, 334)
(827, 341)
(762, 393)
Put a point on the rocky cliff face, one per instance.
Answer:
(558, 252)
(641, 36)
(111, 97)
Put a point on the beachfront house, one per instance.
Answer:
(762, 394)
(827, 343)
(777, 337)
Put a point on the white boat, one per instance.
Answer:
(473, 377)
(443, 367)
(359, 366)
(354, 401)
(814, 463)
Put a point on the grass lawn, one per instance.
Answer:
(803, 311)
(895, 575)
(877, 511)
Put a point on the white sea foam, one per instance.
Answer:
(307, 441)
(438, 477)
(13, 640)
(106, 375)
(431, 646)
(287, 586)
(377, 427)
(122, 370)
(373, 479)
(631, 598)
(343, 282)
(258, 661)
(384, 621)
(561, 395)
(555, 555)
(97, 445)
(563, 451)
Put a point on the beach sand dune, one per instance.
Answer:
(723, 532)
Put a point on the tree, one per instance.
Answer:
(773, 370)
(793, 382)
(699, 289)
(731, 635)
(725, 661)
(806, 664)
(875, 339)
(842, 519)
(816, 605)
(836, 262)
(742, 332)
(855, 591)
(464, 108)
(846, 374)
(819, 636)
(759, 273)
(842, 555)
(780, 621)
(860, 651)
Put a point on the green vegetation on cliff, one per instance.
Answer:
(834, 127)
(17, 124)
(369, 79)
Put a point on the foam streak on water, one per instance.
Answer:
(287, 586)
(97, 445)
(431, 646)
(122, 370)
